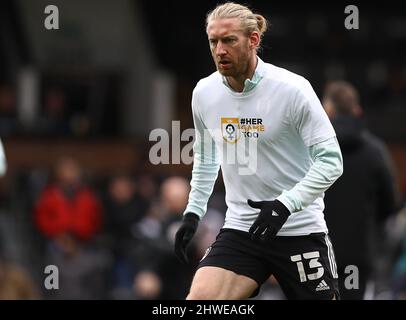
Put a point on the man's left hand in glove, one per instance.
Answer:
(270, 219)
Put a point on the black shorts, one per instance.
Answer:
(304, 266)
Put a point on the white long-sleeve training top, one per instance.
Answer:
(272, 141)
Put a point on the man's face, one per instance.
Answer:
(230, 47)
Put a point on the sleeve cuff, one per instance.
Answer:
(286, 202)
(196, 210)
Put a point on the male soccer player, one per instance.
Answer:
(274, 223)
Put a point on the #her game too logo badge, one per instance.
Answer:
(230, 129)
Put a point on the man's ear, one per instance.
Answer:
(254, 39)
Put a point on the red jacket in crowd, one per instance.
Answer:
(80, 215)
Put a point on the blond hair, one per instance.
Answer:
(250, 21)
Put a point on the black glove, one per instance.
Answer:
(185, 234)
(270, 219)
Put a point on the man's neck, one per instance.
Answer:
(238, 83)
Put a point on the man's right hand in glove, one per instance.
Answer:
(185, 234)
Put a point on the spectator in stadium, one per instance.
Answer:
(124, 209)
(359, 203)
(68, 205)
(54, 119)
(157, 273)
(175, 277)
(68, 214)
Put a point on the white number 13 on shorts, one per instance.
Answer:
(313, 261)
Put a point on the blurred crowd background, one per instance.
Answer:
(77, 106)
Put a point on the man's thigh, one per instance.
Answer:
(305, 267)
(238, 266)
(214, 283)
